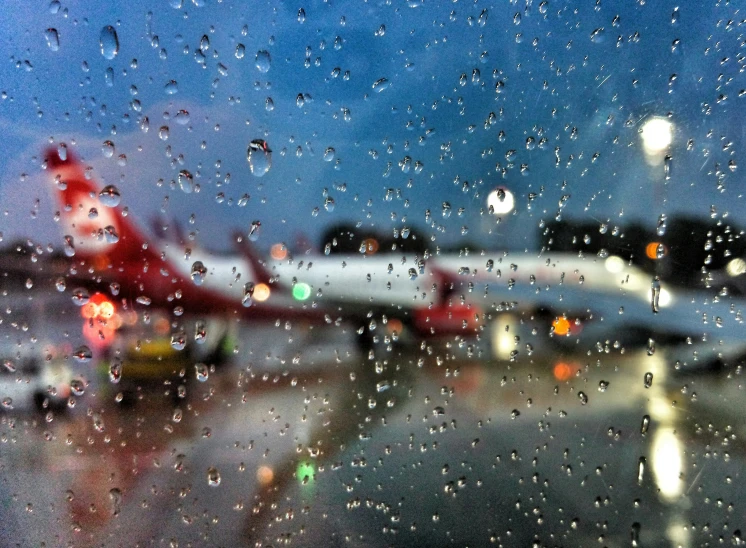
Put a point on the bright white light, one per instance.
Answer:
(736, 267)
(667, 463)
(501, 201)
(664, 298)
(614, 264)
(657, 134)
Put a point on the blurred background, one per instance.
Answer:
(372, 274)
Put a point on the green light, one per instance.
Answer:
(301, 291)
(305, 472)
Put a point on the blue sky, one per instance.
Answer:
(601, 89)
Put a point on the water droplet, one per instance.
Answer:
(641, 469)
(329, 204)
(186, 181)
(109, 42)
(263, 61)
(655, 294)
(660, 251)
(202, 372)
(259, 156)
(667, 166)
(651, 347)
(645, 424)
(80, 296)
(199, 271)
(598, 35)
(163, 133)
(248, 292)
(107, 149)
(83, 354)
(178, 340)
(60, 284)
(68, 245)
(115, 371)
(482, 20)
(269, 104)
(53, 39)
(661, 228)
(329, 154)
(301, 16)
(77, 387)
(204, 44)
(115, 498)
(381, 85)
(254, 230)
(182, 117)
(240, 51)
(647, 380)
(172, 87)
(583, 398)
(109, 196)
(213, 477)
(110, 235)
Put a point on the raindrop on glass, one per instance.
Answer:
(53, 39)
(109, 42)
(109, 196)
(263, 61)
(259, 157)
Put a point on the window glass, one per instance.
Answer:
(396, 273)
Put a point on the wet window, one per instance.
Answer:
(402, 273)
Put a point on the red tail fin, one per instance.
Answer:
(93, 221)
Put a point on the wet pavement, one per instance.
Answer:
(398, 446)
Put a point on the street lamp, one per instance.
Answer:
(500, 201)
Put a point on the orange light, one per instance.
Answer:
(371, 246)
(394, 325)
(651, 250)
(264, 475)
(101, 262)
(561, 326)
(278, 252)
(563, 371)
(261, 292)
(89, 310)
(98, 307)
(161, 326)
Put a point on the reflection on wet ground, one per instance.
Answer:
(400, 445)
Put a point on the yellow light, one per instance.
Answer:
(261, 292)
(561, 326)
(106, 310)
(736, 267)
(278, 252)
(667, 463)
(614, 264)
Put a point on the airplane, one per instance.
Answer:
(108, 252)
(430, 296)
